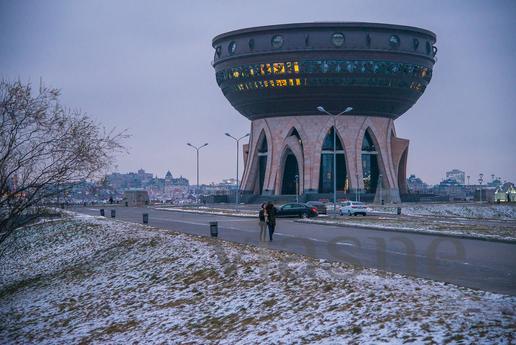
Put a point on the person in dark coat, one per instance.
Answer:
(271, 219)
(262, 215)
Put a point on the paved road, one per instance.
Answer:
(484, 265)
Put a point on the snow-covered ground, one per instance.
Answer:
(93, 280)
(491, 229)
(211, 210)
(464, 210)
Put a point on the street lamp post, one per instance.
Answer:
(356, 198)
(297, 188)
(480, 180)
(381, 188)
(237, 153)
(197, 148)
(334, 116)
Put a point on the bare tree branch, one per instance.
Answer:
(44, 149)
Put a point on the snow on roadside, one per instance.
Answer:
(484, 211)
(214, 211)
(89, 279)
(505, 232)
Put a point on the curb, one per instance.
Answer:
(208, 213)
(420, 232)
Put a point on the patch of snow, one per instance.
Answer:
(95, 280)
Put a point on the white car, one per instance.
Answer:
(352, 208)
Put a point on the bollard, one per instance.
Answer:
(145, 218)
(214, 229)
(398, 211)
(113, 213)
(102, 212)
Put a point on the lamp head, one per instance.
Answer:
(348, 109)
(321, 109)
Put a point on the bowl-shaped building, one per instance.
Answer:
(277, 76)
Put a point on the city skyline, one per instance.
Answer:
(147, 69)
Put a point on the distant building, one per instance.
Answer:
(458, 175)
(451, 188)
(135, 198)
(505, 193)
(416, 185)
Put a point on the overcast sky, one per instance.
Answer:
(145, 66)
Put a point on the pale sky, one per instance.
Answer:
(145, 66)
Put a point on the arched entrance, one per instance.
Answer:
(290, 174)
(262, 162)
(326, 166)
(370, 170)
(402, 173)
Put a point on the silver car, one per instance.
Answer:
(352, 208)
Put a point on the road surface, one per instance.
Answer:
(478, 264)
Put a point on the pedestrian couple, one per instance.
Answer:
(267, 217)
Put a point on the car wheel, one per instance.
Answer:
(364, 214)
(349, 213)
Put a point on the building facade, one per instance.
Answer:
(281, 77)
(457, 175)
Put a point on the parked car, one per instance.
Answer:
(320, 206)
(352, 208)
(296, 210)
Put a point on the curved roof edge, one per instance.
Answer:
(314, 25)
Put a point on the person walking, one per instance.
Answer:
(262, 215)
(271, 219)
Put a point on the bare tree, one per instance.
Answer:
(44, 147)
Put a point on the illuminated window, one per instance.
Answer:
(296, 67)
(235, 74)
(281, 82)
(265, 83)
(277, 41)
(394, 41)
(291, 82)
(338, 39)
(279, 68)
(298, 82)
(271, 83)
(232, 48)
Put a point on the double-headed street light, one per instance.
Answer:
(197, 148)
(334, 116)
(237, 153)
